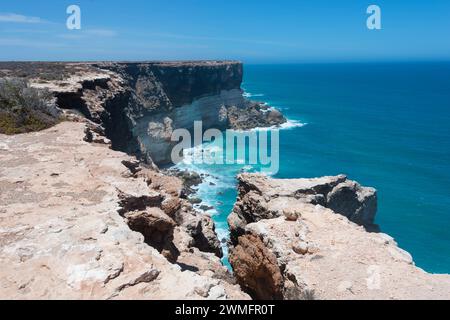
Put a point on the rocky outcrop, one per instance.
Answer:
(262, 198)
(255, 115)
(300, 230)
(81, 221)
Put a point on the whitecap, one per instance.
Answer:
(251, 95)
(290, 124)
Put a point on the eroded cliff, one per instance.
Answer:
(139, 105)
(296, 239)
(79, 220)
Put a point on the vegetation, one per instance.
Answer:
(25, 109)
(41, 71)
(295, 293)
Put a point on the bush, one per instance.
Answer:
(296, 293)
(24, 109)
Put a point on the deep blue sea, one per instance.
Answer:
(385, 125)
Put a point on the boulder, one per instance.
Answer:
(357, 203)
(291, 214)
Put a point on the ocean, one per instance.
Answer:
(385, 125)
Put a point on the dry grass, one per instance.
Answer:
(44, 71)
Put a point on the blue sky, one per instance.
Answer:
(248, 30)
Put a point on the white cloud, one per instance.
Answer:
(101, 32)
(71, 36)
(88, 33)
(19, 42)
(18, 18)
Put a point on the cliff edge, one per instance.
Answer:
(81, 221)
(138, 105)
(308, 239)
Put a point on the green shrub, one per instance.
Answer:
(24, 109)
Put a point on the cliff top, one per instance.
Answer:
(62, 235)
(309, 251)
(58, 70)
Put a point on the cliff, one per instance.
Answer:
(81, 221)
(305, 239)
(139, 104)
(82, 218)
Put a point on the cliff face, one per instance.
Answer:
(185, 82)
(162, 86)
(139, 105)
(295, 239)
(166, 96)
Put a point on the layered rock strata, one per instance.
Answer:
(295, 239)
(139, 105)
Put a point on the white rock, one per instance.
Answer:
(291, 214)
(300, 247)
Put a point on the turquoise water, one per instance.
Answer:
(385, 125)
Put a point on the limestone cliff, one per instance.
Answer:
(82, 218)
(81, 221)
(140, 104)
(295, 239)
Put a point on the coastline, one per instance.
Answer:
(87, 214)
(149, 226)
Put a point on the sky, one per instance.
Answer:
(247, 30)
